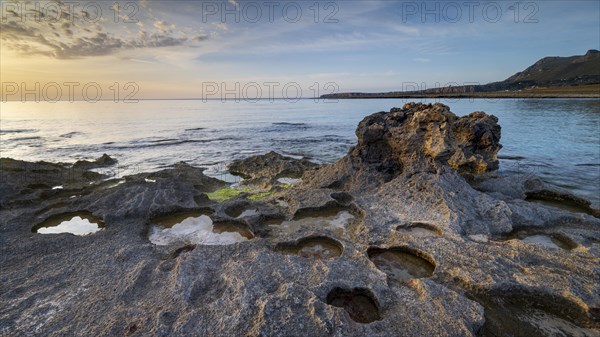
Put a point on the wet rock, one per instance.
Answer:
(420, 229)
(103, 161)
(184, 249)
(233, 227)
(337, 220)
(547, 239)
(343, 198)
(24, 182)
(270, 167)
(316, 247)
(563, 200)
(402, 263)
(358, 303)
(517, 311)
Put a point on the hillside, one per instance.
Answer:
(573, 76)
(574, 69)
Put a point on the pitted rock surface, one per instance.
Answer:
(410, 167)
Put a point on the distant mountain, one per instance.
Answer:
(549, 72)
(555, 71)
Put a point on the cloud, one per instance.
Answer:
(328, 76)
(235, 3)
(164, 27)
(62, 35)
(138, 60)
(221, 25)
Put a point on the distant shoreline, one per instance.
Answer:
(582, 91)
(500, 96)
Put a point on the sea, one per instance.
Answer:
(555, 139)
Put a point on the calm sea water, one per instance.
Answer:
(557, 139)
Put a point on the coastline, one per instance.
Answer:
(465, 96)
(585, 91)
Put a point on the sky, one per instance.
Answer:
(265, 49)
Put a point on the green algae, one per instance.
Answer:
(223, 194)
(227, 193)
(259, 196)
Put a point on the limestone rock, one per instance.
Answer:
(270, 167)
(478, 137)
(419, 137)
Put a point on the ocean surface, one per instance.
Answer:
(556, 139)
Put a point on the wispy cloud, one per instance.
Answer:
(72, 34)
(328, 76)
(221, 25)
(421, 59)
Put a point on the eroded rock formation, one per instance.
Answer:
(391, 239)
(419, 137)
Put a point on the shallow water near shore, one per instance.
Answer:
(556, 139)
(196, 230)
(77, 224)
(402, 266)
(335, 220)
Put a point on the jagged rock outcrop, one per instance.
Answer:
(417, 138)
(477, 136)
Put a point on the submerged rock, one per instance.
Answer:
(412, 233)
(103, 161)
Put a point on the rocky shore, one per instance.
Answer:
(412, 233)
